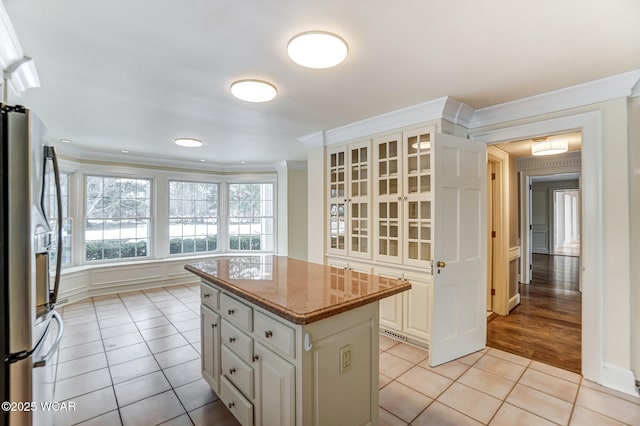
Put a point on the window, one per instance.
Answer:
(193, 217)
(117, 217)
(250, 219)
(51, 211)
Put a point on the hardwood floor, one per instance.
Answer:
(547, 325)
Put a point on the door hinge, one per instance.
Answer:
(530, 187)
(530, 227)
(493, 291)
(493, 176)
(530, 266)
(493, 234)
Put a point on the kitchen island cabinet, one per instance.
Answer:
(287, 342)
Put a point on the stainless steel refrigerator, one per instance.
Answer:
(30, 236)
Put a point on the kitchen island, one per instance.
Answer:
(287, 342)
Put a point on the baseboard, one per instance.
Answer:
(514, 301)
(620, 379)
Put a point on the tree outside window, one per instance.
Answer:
(117, 217)
(193, 217)
(250, 221)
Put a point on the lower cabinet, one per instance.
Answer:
(275, 385)
(210, 347)
(271, 372)
(407, 315)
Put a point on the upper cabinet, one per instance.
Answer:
(402, 197)
(349, 200)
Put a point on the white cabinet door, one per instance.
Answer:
(359, 200)
(337, 201)
(390, 307)
(417, 306)
(418, 164)
(459, 323)
(275, 388)
(388, 198)
(210, 347)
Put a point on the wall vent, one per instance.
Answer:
(62, 302)
(394, 334)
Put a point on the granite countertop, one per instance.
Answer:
(298, 291)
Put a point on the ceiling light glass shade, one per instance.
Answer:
(550, 147)
(253, 90)
(188, 143)
(317, 49)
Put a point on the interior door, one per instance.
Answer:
(459, 321)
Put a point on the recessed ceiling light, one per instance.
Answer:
(65, 141)
(317, 49)
(253, 90)
(188, 143)
(243, 162)
(550, 147)
(124, 151)
(202, 160)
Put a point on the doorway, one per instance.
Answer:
(546, 323)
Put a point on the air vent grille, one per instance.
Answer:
(394, 334)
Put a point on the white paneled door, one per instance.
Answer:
(459, 323)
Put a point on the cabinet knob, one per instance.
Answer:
(255, 358)
(206, 295)
(232, 339)
(268, 334)
(214, 325)
(232, 370)
(231, 311)
(231, 404)
(440, 264)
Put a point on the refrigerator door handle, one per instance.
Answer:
(50, 152)
(44, 358)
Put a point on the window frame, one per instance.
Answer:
(218, 217)
(249, 180)
(151, 217)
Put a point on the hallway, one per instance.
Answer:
(547, 324)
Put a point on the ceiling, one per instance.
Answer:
(133, 75)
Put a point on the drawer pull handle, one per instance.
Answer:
(268, 334)
(231, 404)
(255, 358)
(231, 311)
(207, 295)
(232, 370)
(232, 339)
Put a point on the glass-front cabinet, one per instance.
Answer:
(349, 200)
(403, 197)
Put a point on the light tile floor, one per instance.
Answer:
(133, 359)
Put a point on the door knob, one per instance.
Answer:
(440, 264)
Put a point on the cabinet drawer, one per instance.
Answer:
(209, 296)
(236, 311)
(237, 371)
(275, 334)
(237, 341)
(241, 408)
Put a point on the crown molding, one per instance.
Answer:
(312, 140)
(74, 153)
(604, 89)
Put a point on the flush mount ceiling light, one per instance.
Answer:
(317, 49)
(188, 143)
(253, 90)
(549, 147)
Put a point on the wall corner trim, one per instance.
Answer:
(618, 378)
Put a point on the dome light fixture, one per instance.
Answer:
(188, 142)
(317, 49)
(253, 90)
(549, 147)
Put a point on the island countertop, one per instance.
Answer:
(298, 291)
